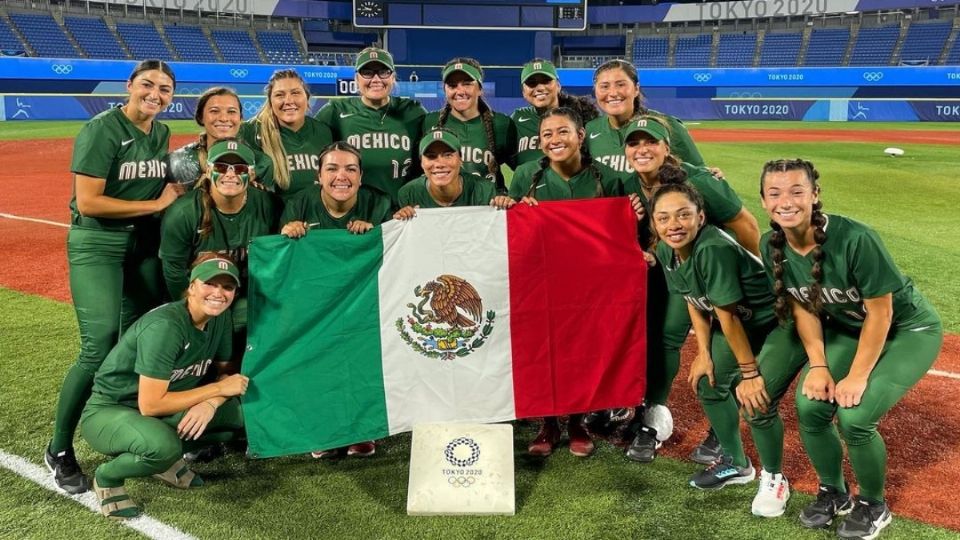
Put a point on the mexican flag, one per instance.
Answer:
(458, 315)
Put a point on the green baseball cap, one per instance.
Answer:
(373, 54)
(648, 125)
(212, 268)
(440, 135)
(231, 147)
(463, 67)
(538, 67)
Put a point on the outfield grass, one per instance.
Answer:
(605, 496)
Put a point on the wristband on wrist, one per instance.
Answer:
(825, 367)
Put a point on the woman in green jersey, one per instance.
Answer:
(384, 128)
(617, 90)
(148, 406)
(730, 301)
(442, 184)
(283, 130)
(868, 333)
(220, 114)
(541, 88)
(119, 189)
(649, 149)
(566, 171)
(221, 215)
(488, 138)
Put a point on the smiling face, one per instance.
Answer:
(560, 139)
(150, 93)
(213, 297)
(441, 164)
(645, 153)
(231, 183)
(340, 175)
(616, 92)
(221, 117)
(677, 220)
(463, 94)
(788, 198)
(375, 82)
(289, 101)
(541, 91)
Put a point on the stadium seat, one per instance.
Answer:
(827, 46)
(44, 35)
(736, 50)
(190, 43)
(780, 49)
(8, 40)
(651, 52)
(143, 41)
(924, 42)
(280, 47)
(236, 46)
(94, 37)
(874, 46)
(693, 51)
(953, 57)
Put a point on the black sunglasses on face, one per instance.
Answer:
(368, 73)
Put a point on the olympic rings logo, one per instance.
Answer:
(702, 77)
(238, 73)
(251, 107)
(450, 452)
(872, 76)
(61, 69)
(746, 95)
(461, 481)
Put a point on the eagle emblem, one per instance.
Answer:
(448, 321)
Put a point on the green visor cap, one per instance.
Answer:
(439, 135)
(374, 55)
(212, 268)
(463, 67)
(649, 126)
(231, 147)
(539, 67)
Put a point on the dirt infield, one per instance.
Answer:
(920, 431)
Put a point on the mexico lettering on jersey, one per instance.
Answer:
(618, 163)
(303, 162)
(528, 143)
(832, 295)
(194, 370)
(151, 168)
(378, 140)
(480, 156)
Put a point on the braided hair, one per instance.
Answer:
(270, 142)
(486, 115)
(778, 240)
(631, 72)
(205, 185)
(586, 160)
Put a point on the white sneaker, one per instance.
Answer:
(771, 499)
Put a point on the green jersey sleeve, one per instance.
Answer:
(295, 208)
(158, 346)
(522, 178)
(95, 149)
(681, 144)
(718, 270)
(178, 232)
(873, 269)
(721, 202)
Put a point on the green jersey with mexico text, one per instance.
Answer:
(386, 137)
(606, 143)
(856, 266)
(109, 146)
(474, 149)
(302, 147)
(476, 192)
(720, 272)
(527, 120)
(372, 206)
(552, 186)
(163, 344)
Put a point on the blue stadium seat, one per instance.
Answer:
(8, 40)
(693, 51)
(874, 46)
(827, 46)
(236, 46)
(924, 42)
(279, 47)
(953, 57)
(94, 37)
(780, 49)
(143, 41)
(736, 50)
(651, 52)
(44, 35)
(190, 43)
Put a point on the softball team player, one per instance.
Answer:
(147, 407)
(565, 172)
(488, 138)
(283, 131)
(869, 334)
(442, 183)
(648, 148)
(221, 215)
(115, 275)
(382, 127)
(617, 90)
(541, 89)
(220, 115)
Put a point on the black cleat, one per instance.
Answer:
(708, 451)
(865, 521)
(830, 503)
(66, 471)
(644, 446)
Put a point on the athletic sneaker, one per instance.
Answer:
(548, 437)
(66, 471)
(581, 445)
(771, 499)
(721, 473)
(708, 451)
(865, 521)
(830, 503)
(364, 449)
(206, 454)
(644, 446)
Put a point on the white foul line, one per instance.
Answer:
(35, 220)
(144, 524)
(944, 374)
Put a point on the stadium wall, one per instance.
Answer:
(62, 89)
